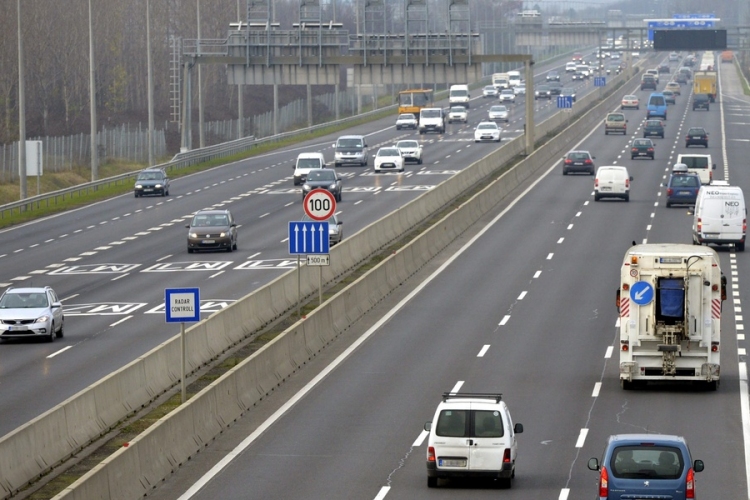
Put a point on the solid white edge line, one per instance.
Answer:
(196, 487)
(582, 438)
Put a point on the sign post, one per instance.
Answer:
(181, 305)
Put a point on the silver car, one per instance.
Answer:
(498, 113)
(31, 313)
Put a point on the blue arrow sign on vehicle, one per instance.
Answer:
(308, 237)
(642, 293)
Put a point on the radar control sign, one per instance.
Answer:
(182, 305)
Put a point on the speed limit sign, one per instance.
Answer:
(320, 204)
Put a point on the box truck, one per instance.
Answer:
(704, 82)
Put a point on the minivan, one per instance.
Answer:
(646, 466)
(459, 94)
(657, 105)
(350, 149)
(698, 164)
(306, 162)
(431, 120)
(720, 216)
(612, 182)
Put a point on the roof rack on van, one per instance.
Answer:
(480, 395)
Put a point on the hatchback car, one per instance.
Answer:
(323, 178)
(568, 92)
(555, 88)
(27, 313)
(648, 82)
(212, 230)
(411, 150)
(642, 148)
(674, 87)
(578, 161)
(553, 76)
(630, 102)
(696, 136)
(542, 92)
(700, 101)
(653, 128)
(389, 158)
(664, 68)
(489, 91)
(498, 113)
(487, 131)
(520, 89)
(335, 228)
(682, 187)
(507, 95)
(406, 120)
(458, 114)
(669, 96)
(152, 181)
(578, 75)
(646, 466)
(472, 436)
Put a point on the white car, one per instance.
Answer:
(487, 131)
(489, 91)
(472, 435)
(570, 67)
(520, 89)
(630, 101)
(389, 158)
(498, 113)
(458, 114)
(508, 95)
(411, 150)
(406, 120)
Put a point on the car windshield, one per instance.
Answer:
(578, 156)
(407, 116)
(203, 220)
(349, 143)
(458, 109)
(149, 176)
(483, 126)
(652, 462)
(407, 144)
(489, 87)
(498, 108)
(653, 123)
(33, 300)
(430, 113)
(321, 175)
(507, 91)
(389, 152)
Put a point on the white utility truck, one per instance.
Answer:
(670, 300)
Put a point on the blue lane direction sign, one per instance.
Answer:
(642, 293)
(600, 81)
(306, 237)
(565, 101)
(182, 305)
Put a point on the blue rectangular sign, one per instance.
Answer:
(564, 101)
(600, 81)
(692, 23)
(182, 305)
(308, 237)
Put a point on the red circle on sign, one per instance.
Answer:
(319, 204)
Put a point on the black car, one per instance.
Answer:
(555, 88)
(553, 76)
(696, 136)
(680, 78)
(323, 178)
(648, 82)
(542, 92)
(568, 92)
(642, 148)
(701, 101)
(578, 161)
(664, 68)
(212, 230)
(653, 128)
(152, 181)
(578, 75)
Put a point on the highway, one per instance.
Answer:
(110, 262)
(523, 306)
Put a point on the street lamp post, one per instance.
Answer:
(21, 113)
(150, 84)
(92, 103)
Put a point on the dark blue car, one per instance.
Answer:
(638, 466)
(682, 188)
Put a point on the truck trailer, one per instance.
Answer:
(670, 300)
(704, 82)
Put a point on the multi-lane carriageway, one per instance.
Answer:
(523, 306)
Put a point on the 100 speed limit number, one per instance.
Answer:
(320, 204)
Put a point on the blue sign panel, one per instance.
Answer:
(642, 293)
(306, 237)
(600, 81)
(182, 305)
(694, 16)
(564, 101)
(678, 24)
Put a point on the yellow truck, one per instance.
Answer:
(704, 82)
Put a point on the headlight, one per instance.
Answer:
(139, 186)
(193, 235)
(158, 186)
(332, 186)
(333, 229)
(42, 319)
(222, 234)
(306, 187)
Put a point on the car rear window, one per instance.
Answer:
(308, 163)
(685, 181)
(470, 423)
(647, 462)
(615, 118)
(657, 100)
(695, 161)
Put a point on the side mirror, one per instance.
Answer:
(714, 166)
(518, 428)
(631, 177)
(187, 226)
(698, 466)
(593, 157)
(427, 426)
(593, 464)
(340, 223)
(334, 145)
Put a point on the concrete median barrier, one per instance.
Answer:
(33, 449)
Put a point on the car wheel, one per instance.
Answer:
(627, 197)
(190, 250)
(505, 483)
(606, 132)
(669, 205)
(398, 128)
(632, 157)
(136, 195)
(565, 171)
(596, 197)
(626, 385)
(230, 247)
(419, 162)
(335, 165)
(740, 246)
(51, 336)
(432, 482)
(61, 332)
(637, 107)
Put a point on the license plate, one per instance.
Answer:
(605, 188)
(641, 154)
(685, 192)
(451, 463)
(18, 328)
(696, 137)
(578, 163)
(208, 242)
(711, 235)
(147, 189)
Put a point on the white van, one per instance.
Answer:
(459, 94)
(472, 435)
(514, 78)
(612, 182)
(698, 164)
(306, 162)
(720, 216)
(431, 120)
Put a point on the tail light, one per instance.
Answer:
(624, 346)
(596, 183)
(634, 150)
(699, 225)
(670, 191)
(627, 183)
(710, 175)
(744, 225)
(650, 150)
(714, 347)
(431, 454)
(604, 483)
(689, 484)
(568, 162)
(506, 456)
(588, 162)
